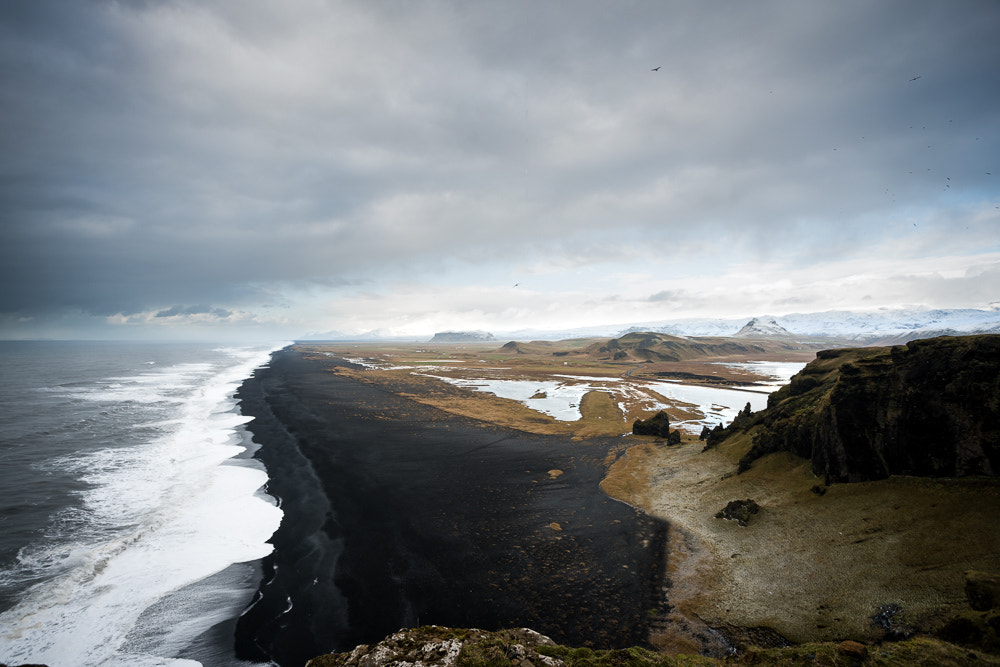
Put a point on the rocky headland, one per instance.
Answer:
(930, 408)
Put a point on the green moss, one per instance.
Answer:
(975, 629)
(497, 649)
(917, 652)
(628, 657)
(492, 652)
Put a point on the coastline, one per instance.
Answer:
(400, 514)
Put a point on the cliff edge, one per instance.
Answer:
(930, 408)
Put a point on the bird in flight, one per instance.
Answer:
(915, 78)
(656, 69)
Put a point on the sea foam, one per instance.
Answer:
(162, 512)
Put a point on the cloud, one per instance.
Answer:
(180, 311)
(252, 153)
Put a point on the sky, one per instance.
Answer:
(254, 169)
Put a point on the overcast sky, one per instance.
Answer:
(257, 168)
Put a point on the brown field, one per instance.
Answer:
(413, 369)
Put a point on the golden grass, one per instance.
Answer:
(812, 567)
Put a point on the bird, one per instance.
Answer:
(656, 69)
(915, 78)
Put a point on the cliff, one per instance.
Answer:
(929, 408)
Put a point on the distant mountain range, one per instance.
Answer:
(878, 327)
(886, 327)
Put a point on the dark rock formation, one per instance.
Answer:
(929, 408)
(739, 511)
(982, 589)
(461, 336)
(980, 628)
(658, 425)
(743, 416)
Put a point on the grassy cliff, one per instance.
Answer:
(929, 408)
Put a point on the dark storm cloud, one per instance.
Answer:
(159, 153)
(176, 311)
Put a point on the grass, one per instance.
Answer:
(514, 648)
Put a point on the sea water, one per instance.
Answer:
(132, 510)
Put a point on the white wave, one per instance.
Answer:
(158, 516)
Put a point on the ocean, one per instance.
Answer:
(133, 515)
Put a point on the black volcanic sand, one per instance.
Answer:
(399, 514)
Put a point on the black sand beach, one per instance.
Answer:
(398, 514)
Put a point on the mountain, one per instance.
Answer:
(762, 327)
(929, 408)
(847, 326)
(652, 346)
(461, 336)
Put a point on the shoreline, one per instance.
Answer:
(399, 514)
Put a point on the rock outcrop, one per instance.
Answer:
(658, 425)
(435, 646)
(929, 408)
(982, 589)
(739, 511)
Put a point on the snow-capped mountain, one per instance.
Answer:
(762, 327)
(892, 325)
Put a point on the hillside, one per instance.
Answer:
(654, 347)
(929, 408)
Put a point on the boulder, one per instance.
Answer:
(852, 649)
(738, 511)
(982, 589)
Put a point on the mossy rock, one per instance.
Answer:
(975, 629)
